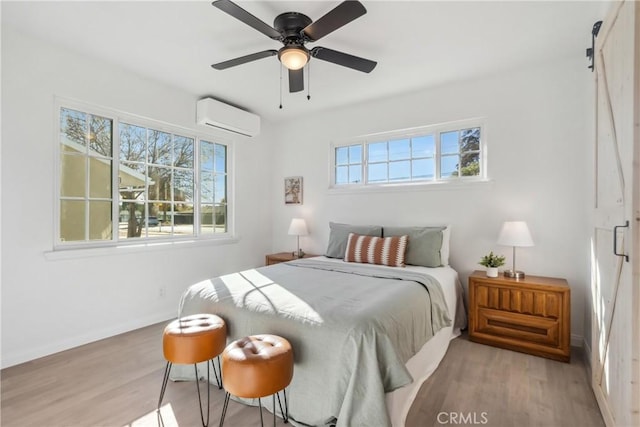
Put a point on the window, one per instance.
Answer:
(429, 154)
(127, 179)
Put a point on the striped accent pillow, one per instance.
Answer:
(376, 250)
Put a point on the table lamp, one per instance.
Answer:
(298, 228)
(515, 234)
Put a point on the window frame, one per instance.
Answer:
(435, 130)
(117, 117)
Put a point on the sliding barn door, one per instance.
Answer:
(615, 280)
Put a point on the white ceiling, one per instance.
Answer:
(417, 44)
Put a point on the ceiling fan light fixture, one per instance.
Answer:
(293, 57)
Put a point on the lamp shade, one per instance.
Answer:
(298, 227)
(515, 233)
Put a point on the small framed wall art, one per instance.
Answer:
(293, 190)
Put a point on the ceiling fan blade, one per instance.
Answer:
(344, 59)
(244, 16)
(341, 15)
(296, 80)
(244, 59)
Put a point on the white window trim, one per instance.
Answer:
(446, 183)
(143, 243)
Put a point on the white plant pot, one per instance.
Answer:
(492, 271)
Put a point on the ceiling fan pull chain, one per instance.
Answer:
(309, 81)
(281, 86)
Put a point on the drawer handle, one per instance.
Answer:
(615, 241)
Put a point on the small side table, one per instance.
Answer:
(271, 259)
(531, 315)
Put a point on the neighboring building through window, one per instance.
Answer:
(127, 180)
(428, 154)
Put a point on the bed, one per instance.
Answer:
(364, 336)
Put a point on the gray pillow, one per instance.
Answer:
(339, 235)
(424, 244)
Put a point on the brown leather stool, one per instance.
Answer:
(257, 366)
(191, 340)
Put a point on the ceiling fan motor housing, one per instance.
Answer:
(290, 25)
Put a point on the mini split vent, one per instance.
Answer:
(210, 112)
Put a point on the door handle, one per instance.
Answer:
(615, 241)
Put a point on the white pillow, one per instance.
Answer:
(444, 250)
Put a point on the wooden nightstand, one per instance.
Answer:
(283, 257)
(531, 315)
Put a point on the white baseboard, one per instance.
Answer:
(587, 358)
(577, 340)
(66, 344)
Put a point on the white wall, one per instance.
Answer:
(537, 133)
(51, 305)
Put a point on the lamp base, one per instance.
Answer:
(514, 274)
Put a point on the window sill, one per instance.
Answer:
(415, 186)
(143, 247)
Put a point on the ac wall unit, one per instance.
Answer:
(210, 112)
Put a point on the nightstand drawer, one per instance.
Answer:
(533, 329)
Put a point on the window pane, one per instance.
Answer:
(422, 169)
(100, 136)
(355, 174)
(399, 171)
(159, 183)
(220, 218)
(132, 181)
(130, 220)
(72, 220)
(206, 219)
(183, 186)
(399, 150)
(470, 164)
(355, 154)
(132, 142)
(449, 142)
(73, 176)
(183, 152)
(377, 172)
(423, 146)
(342, 174)
(73, 130)
(183, 219)
(470, 139)
(221, 158)
(100, 223)
(159, 147)
(206, 156)
(342, 155)
(163, 213)
(221, 188)
(206, 187)
(377, 152)
(449, 166)
(100, 178)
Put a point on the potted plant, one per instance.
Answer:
(492, 262)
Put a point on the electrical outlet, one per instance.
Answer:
(161, 291)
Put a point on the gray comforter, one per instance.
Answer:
(352, 328)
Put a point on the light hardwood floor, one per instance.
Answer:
(116, 382)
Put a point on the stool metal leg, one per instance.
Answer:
(165, 380)
(274, 410)
(218, 381)
(224, 408)
(285, 412)
(260, 406)
(195, 367)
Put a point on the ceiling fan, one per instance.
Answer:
(294, 30)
